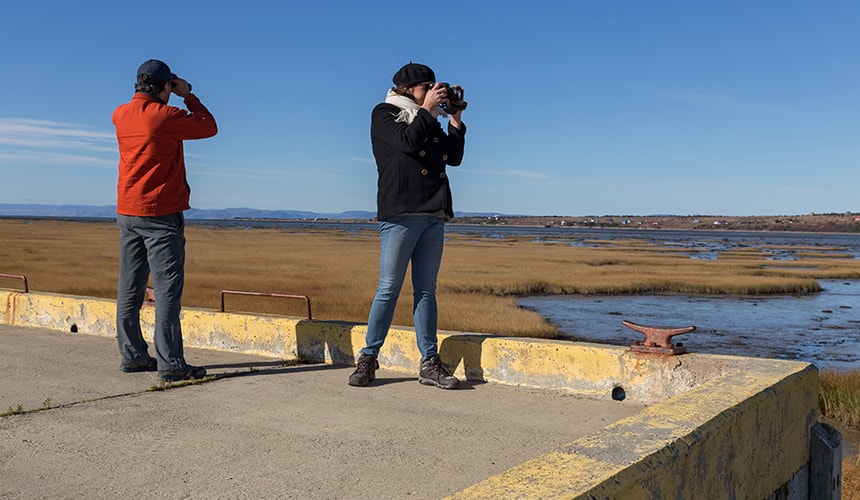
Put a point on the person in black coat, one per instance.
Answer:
(413, 202)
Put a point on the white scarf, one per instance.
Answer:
(408, 107)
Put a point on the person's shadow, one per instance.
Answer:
(468, 349)
(320, 345)
(256, 368)
(326, 341)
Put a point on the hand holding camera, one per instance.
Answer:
(454, 95)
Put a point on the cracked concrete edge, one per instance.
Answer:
(742, 435)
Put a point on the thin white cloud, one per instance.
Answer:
(42, 135)
(56, 158)
(54, 144)
(257, 175)
(45, 128)
(42, 142)
(723, 102)
(522, 174)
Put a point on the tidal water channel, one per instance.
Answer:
(821, 328)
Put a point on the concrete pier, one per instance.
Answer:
(558, 419)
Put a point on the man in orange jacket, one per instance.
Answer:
(152, 193)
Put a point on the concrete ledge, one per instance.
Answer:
(730, 438)
(590, 370)
(717, 426)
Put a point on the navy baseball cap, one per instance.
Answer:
(156, 70)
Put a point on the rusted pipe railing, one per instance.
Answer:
(262, 294)
(658, 340)
(20, 277)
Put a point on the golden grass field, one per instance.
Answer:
(479, 282)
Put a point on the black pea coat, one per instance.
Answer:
(411, 160)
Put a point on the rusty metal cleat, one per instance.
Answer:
(658, 340)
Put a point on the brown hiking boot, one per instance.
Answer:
(435, 372)
(365, 371)
(147, 364)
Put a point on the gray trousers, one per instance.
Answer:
(156, 246)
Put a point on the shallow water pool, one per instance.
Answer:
(822, 328)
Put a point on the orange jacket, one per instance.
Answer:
(151, 158)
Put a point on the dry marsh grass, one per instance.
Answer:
(839, 400)
(824, 255)
(839, 396)
(814, 248)
(851, 478)
(478, 285)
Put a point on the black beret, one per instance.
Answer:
(412, 74)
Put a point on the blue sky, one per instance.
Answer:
(575, 107)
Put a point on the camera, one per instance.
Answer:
(455, 99)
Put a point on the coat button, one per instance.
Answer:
(435, 139)
(422, 153)
(442, 175)
(444, 157)
(424, 171)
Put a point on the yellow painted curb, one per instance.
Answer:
(590, 370)
(716, 426)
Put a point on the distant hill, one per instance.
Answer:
(825, 222)
(109, 211)
(23, 210)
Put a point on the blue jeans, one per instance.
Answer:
(419, 239)
(151, 245)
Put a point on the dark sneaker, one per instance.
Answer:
(190, 373)
(365, 371)
(147, 364)
(435, 372)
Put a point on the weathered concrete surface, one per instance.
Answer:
(727, 439)
(714, 425)
(275, 432)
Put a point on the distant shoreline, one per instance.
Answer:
(813, 223)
